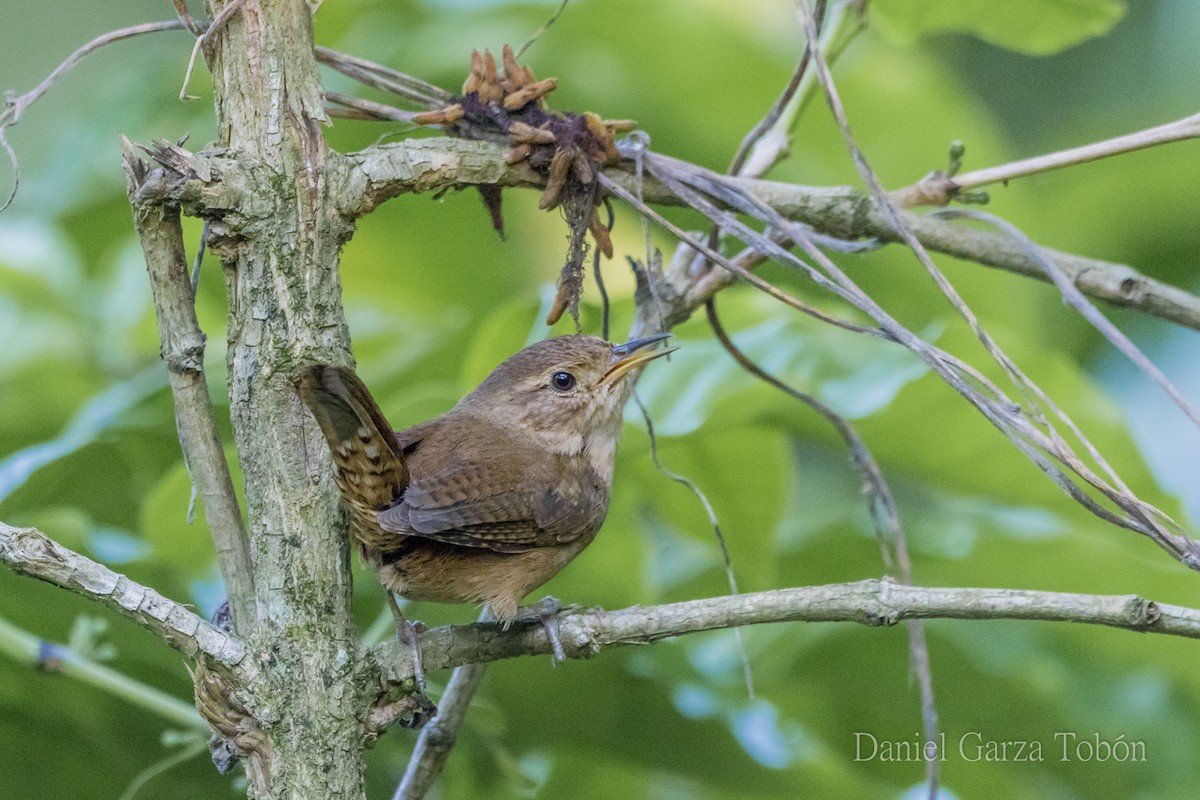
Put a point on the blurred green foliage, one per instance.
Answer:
(88, 449)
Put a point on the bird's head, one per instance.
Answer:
(565, 390)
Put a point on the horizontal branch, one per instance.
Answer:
(417, 165)
(30, 552)
(586, 632)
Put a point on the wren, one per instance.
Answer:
(490, 500)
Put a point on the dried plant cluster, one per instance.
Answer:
(567, 148)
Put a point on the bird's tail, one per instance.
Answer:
(369, 464)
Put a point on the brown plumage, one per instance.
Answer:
(490, 500)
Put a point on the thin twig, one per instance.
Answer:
(359, 108)
(198, 261)
(15, 107)
(730, 577)
(384, 78)
(1072, 295)
(598, 275)
(884, 518)
(26, 648)
(538, 33)
(438, 737)
(214, 27)
(773, 116)
(880, 503)
(939, 188)
(185, 16)
(182, 755)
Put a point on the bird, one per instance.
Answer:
(490, 500)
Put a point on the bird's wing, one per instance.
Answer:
(511, 516)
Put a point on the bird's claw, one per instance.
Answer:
(546, 612)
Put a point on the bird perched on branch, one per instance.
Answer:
(490, 500)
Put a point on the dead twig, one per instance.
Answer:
(939, 188)
(1139, 516)
(182, 347)
(214, 27)
(348, 107)
(385, 79)
(1072, 295)
(438, 737)
(15, 107)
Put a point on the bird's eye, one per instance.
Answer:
(562, 381)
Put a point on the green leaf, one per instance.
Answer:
(1037, 27)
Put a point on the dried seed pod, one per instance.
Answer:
(490, 90)
(515, 76)
(560, 166)
(603, 137)
(620, 125)
(600, 234)
(558, 307)
(522, 133)
(582, 169)
(519, 153)
(475, 77)
(530, 93)
(441, 116)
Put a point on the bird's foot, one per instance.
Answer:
(546, 611)
(407, 633)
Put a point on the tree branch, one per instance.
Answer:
(874, 603)
(388, 170)
(938, 188)
(438, 737)
(28, 551)
(181, 344)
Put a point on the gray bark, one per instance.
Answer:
(285, 310)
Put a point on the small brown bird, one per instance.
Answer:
(490, 500)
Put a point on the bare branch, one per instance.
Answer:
(1031, 430)
(438, 737)
(1072, 295)
(28, 551)
(14, 108)
(182, 348)
(939, 188)
(202, 41)
(384, 78)
(388, 170)
(349, 107)
(874, 603)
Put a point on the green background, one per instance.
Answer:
(88, 450)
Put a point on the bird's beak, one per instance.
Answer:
(626, 357)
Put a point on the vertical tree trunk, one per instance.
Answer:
(284, 310)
